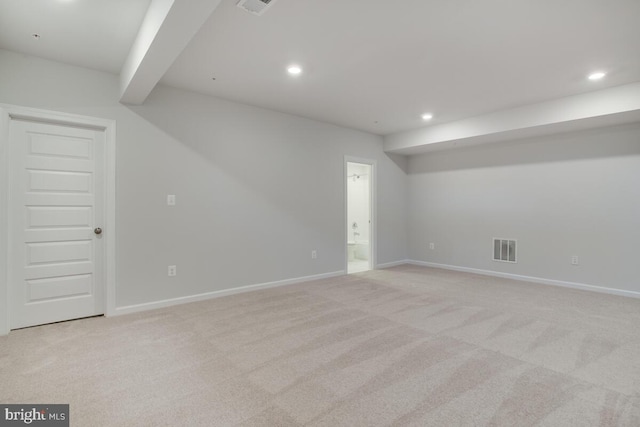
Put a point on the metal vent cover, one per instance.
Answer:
(504, 250)
(256, 7)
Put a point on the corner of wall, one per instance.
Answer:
(4, 288)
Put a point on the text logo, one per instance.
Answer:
(40, 415)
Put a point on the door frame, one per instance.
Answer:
(11, 112)
(373, 234)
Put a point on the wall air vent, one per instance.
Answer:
(504, 250)
(256, 7)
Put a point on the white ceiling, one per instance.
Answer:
(364, 61)
(90, 33)
(390, 61)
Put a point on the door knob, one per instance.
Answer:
(98, 230)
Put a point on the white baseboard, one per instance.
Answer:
(582, 286)
(217, 294)
(392, 264)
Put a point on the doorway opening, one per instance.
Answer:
(359, 183)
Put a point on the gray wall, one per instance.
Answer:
(568, 194)
(256, 190)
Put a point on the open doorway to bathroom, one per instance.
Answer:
(359, 177)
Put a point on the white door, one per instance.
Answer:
(56, 211)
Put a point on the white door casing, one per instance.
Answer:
(60, 188)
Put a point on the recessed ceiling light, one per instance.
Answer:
(597, 75)
(427, 116)
(294, 70)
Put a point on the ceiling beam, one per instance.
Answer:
(166, 30)
(607, 107)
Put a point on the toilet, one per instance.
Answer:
(351, 250)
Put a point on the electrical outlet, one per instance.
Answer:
(314, 254)
(575, 260)
(172, 271)
(432, 246)
(171, 199)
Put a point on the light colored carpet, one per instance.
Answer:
(407, 346)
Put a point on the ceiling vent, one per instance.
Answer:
(256, 7)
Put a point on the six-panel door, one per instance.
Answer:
(56, 202)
